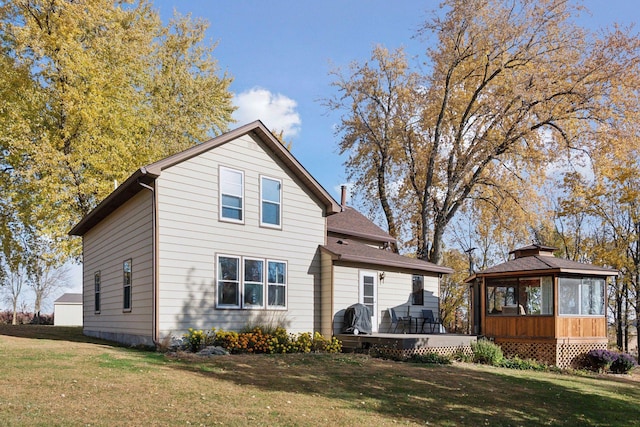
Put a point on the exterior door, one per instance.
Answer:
(369, 295)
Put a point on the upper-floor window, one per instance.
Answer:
(231, 194)
(96, 291)
(126, 280)
(270, 197)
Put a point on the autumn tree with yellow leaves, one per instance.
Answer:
(89, 91)
(508, 87)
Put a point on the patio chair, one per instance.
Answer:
(429, 318)
(396, 320)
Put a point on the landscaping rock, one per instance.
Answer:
(213, 351)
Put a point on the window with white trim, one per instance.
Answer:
(253, 295)
(270, 202)
(251, 283)
(126, 282)
(96, 291)
(231, 194)
(228, 281)
(277, 284)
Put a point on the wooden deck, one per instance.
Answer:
(405, 345)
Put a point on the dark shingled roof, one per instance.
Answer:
(70, 298)
(349, 250)
(539, 263)
(350, 222)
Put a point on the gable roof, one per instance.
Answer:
(350, 222)
(148, 174)
(353, 251)
(70, 298)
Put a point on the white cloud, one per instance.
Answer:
(276, 111)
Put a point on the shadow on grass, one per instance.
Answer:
(460, 394)
(49, 332)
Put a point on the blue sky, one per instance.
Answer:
(280, 54)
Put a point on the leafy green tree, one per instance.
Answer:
(91, 90)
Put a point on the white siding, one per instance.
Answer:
(393, 292)
(191, 235)
(326, 302)
(67, 314)
(125, 234)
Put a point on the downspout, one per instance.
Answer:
(154, 268)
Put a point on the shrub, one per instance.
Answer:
(227, 339)
(334, 345)
(522, 364)
(601, 360)
(196, 339)
(461, 355)
(281, 341)
(258, 341)
(304, 343)
(623, 363)
(487, 352)
(433, 358)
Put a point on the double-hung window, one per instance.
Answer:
(228, 281)
(277, 284)
(96, 291)
(231, 194)
(251, 283)
(253, 295)
(270, 202)
(126, 282)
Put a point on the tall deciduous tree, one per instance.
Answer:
(509, 84)
(607, 191)
(379, 103)
(92, 89)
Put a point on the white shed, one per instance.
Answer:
(67, 310)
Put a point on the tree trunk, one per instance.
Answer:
(435, 254)
(619, 326)
(384, 201)
(14, 321)
(37, 304)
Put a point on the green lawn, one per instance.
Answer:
(55, 376)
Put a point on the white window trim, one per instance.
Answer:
(130, 285)
(264, 284)
(218, 280)
(262, 201)
(97, 291)
(221, 217)
(286, 285)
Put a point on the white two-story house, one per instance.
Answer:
(235, 232)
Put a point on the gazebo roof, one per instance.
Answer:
(537, 259)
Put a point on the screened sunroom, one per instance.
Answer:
(539, 306)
